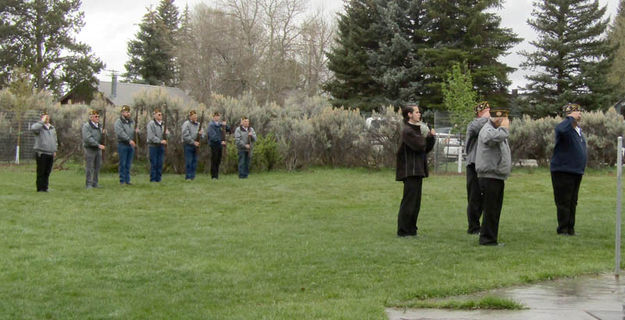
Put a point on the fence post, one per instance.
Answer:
(617, 240)
(460, 160)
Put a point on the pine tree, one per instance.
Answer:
(616, 37)
(353, 84)
(39, 36)
(468, 30)
(572, 56)
(152, 55)
(398, 62)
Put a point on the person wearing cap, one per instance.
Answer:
(244, 137)
(92, 134)
(493, 165)
(45, 150)
(474, 195)
(156, 145)
(567, 167)
(190, 130)
(217, 141)
(124, 130)
(412, 166)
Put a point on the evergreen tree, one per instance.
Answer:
(353, 84)
(616, 37)
(39, 36)
(152, 55)
(397, 63)
(572, 56)
(468, 30)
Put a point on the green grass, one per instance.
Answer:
(485, 303)
(318, 244)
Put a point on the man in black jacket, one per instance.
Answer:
(416, 141)
(567, 167)
(474, 195)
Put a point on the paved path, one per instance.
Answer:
(587, 298)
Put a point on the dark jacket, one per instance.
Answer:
(412, 154)
(569, 153)
(215, 136)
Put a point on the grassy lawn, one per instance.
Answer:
(318, 244)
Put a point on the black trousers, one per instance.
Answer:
(215, 160)
(474, 199)
(409, 208)
(492, 189)
(44, 168)
(565, 191)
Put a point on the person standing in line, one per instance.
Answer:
(92, 134)
(190, 130)
(156, 145)
(217, 142)
(124, 130)
(567, 167)
(416, 141)
(45, 150)
(244, 138)
(493, 165)
(474, 195)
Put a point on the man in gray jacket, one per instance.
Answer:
(45, 150)
(125, 131)
(191, 136)
(244, 137)
(157, 139)
(92, 142)
(474, 195)
(493, 165)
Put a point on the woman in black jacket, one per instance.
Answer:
(416, 141)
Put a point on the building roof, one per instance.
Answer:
(126, 92)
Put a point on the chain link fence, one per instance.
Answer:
(10, 130)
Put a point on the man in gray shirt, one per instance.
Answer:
(493, 165)
(125, 131)
(474, 195)
(156, 145)
(45, 149)
(191, 136)
(93, 144)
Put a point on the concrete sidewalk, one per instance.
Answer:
(586, 298)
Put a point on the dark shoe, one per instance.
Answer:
(473, 231)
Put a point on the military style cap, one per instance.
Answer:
(481, 106)
(44, 113)
(499, 113)
(571, 107)
(192, 112)
(216, 114)
(94, 113)
(125, 108)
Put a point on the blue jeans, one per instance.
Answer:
(244, 164)
(190, 161)
(157, 155)
(125, 152)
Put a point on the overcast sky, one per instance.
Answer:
(109, 25)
